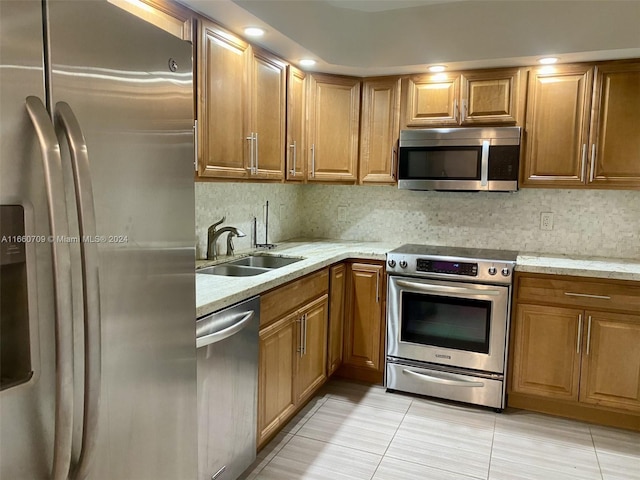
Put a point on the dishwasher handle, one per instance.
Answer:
(239, 322)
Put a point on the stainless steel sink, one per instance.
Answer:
(229, 270)
(265, 261)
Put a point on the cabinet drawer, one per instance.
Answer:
(578, 292)
(282, 300)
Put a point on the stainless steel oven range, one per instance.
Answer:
(448, 313)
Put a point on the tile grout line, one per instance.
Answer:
(595, 450)
(391, 441)
(493, 438)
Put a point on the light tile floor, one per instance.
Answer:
(351, 431)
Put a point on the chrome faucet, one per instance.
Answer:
(213, 235)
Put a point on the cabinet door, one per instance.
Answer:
(557, 123)
(489, 97)
(379, 130)
(222, 107)
(615, 128)
(431, 100)
(312, 362)
(337, 280)
(611, 361)
(546, 351)
(364, 318)
(334, 118)
(268, 99)
(296, 124)
(276, 390)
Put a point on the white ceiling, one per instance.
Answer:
(378, 37)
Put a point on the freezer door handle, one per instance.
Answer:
(66, 121)
(241, 322)
(61, 265)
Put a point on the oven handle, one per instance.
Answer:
(444, 381)
(430, 288)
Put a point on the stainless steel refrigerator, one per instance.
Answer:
(97, 303)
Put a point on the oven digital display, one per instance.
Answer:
(452, 268)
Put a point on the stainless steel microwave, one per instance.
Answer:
(460, 159)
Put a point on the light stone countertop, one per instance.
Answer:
(214, 292)
(613, 268)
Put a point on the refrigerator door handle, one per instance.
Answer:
(66, 120)
(61, 266)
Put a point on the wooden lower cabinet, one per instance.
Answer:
(577, 362)
(611, 363)
(364, 332)
(337, 280)
(277, 366)
(293, 350)
(546, 360)
(312, 360)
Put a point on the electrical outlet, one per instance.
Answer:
(546, 221)
(342, 213)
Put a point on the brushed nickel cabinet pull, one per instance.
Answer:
(588, 334)
(579, 333)
(587, 295)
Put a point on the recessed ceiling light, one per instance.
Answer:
(437, 68)
(548, 60)
(253, 31)
(307, 62)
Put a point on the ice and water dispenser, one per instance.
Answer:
(15, 355)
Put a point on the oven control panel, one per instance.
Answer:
(453, 268)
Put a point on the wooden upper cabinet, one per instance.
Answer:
(241, 108)
(431, 100)
(296, 124)
(483, 97)
(165, 14)
(556, 132)
(611, 361)
(490, 97)
(615, 127)
(223, 123)
(379, 130)
(267, 94)
(582, 128)
(334, 119)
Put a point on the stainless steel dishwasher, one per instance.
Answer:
(227, 343)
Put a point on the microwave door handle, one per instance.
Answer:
(430, 288)
(484, 164)
(61, 266)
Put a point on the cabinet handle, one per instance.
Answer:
(299, 350)
(593, 162)
(584, 162)
(378, 287)
(313, 160)
(250, 138)
(195, 144)
(586, 295)
(293, 170)
(256, 147)
(394, 155)
(304, 337)
(455, 109)
(588, 334)
(579, 332)
(463, 113)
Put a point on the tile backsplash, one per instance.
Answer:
(585, 222)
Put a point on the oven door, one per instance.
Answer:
(448, 323)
